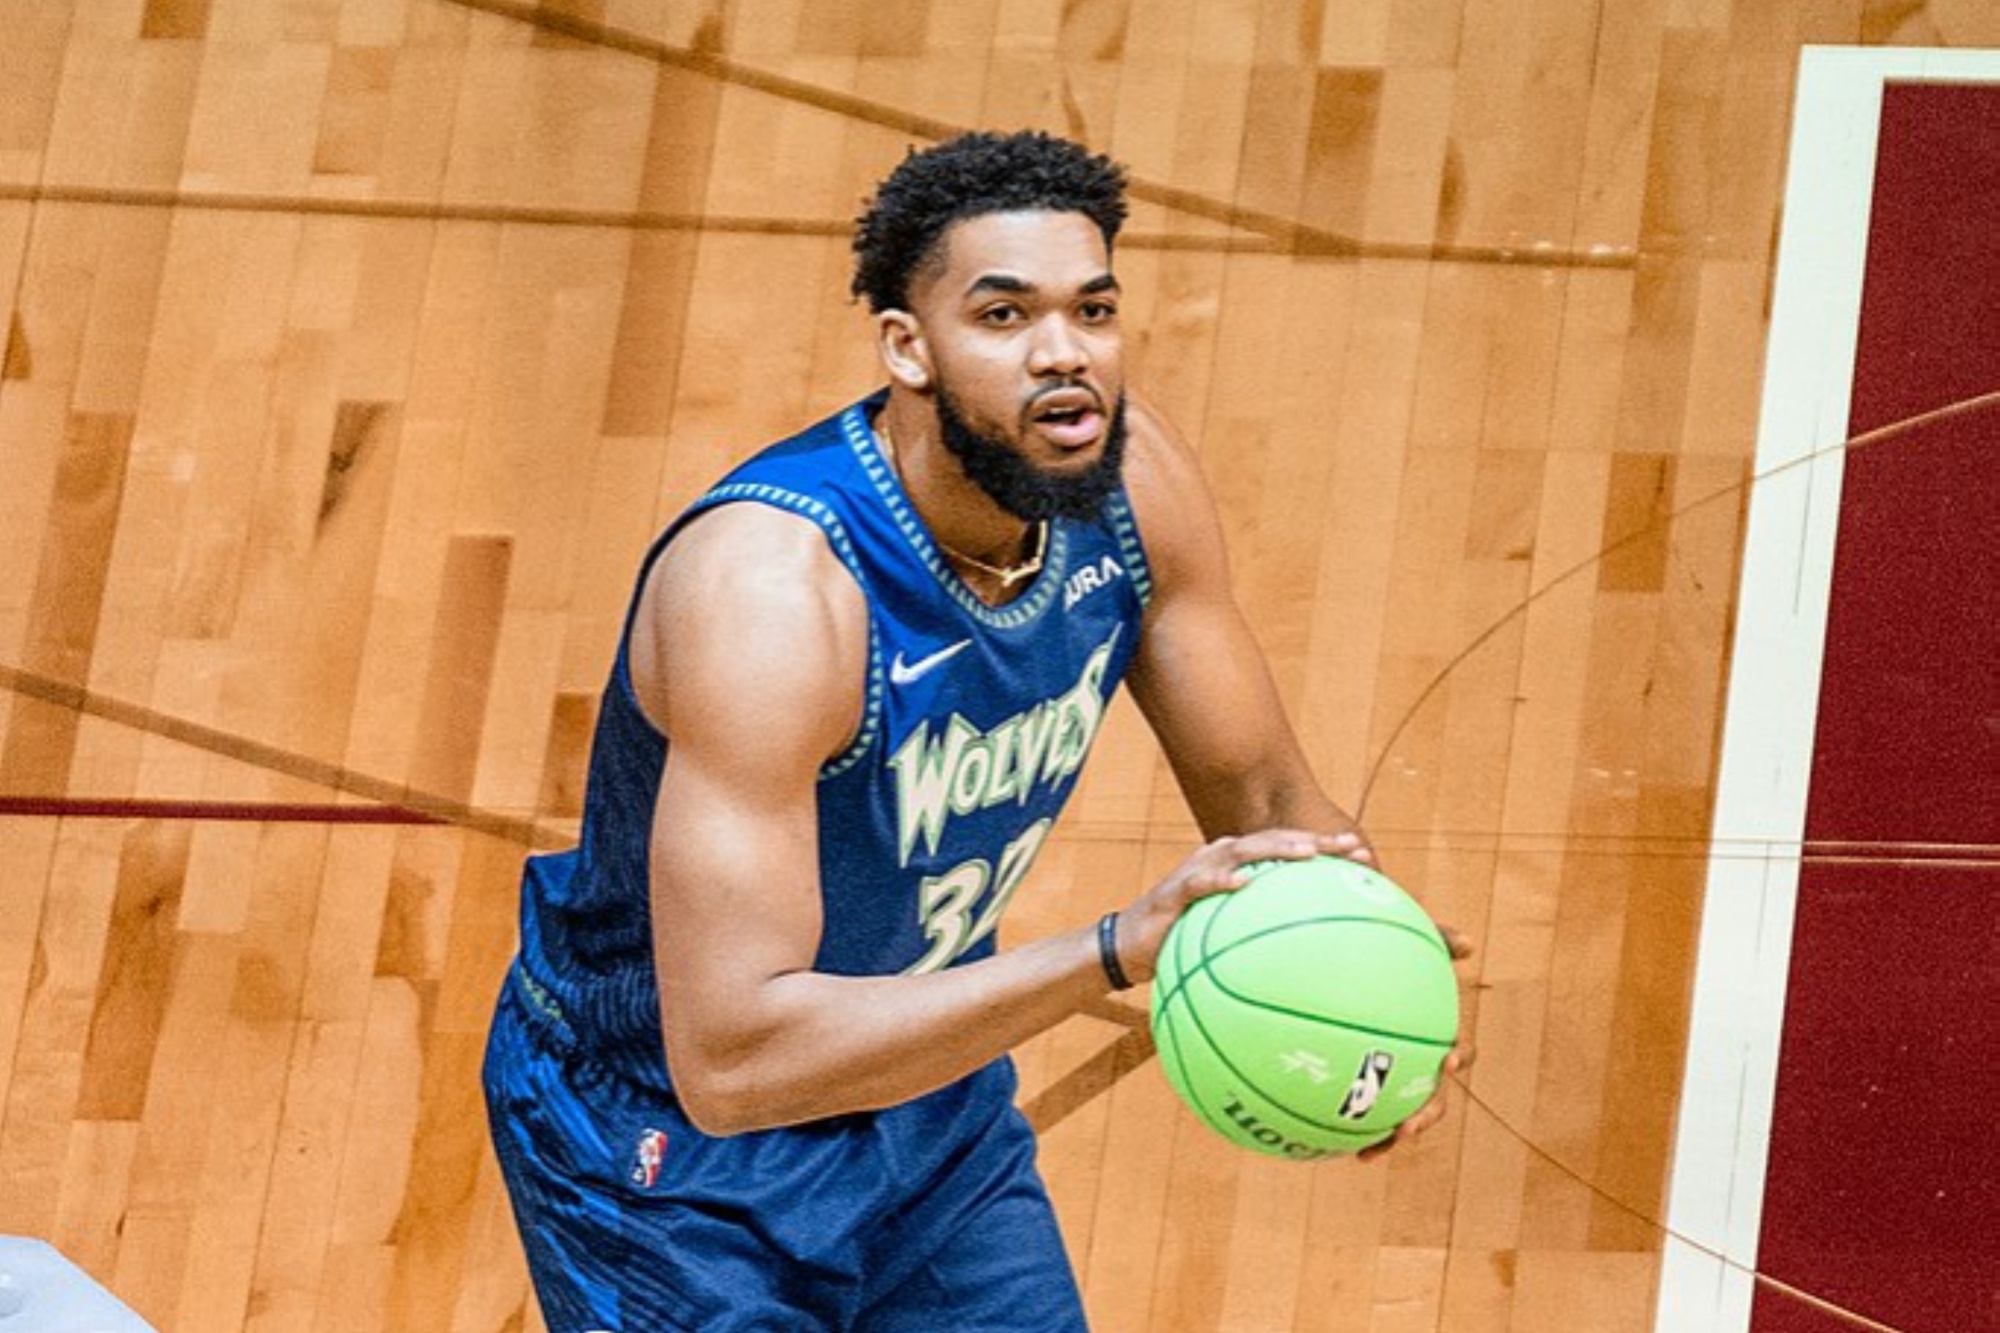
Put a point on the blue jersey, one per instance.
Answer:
(977, 720)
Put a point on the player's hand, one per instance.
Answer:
(1219, 867)
(1431, 1111)
(1458, 1062)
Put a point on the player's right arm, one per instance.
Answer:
(750, 651)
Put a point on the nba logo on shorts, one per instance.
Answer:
(1367, 1085)
(646, 1161)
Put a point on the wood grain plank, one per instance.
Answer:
(136, 982)
(69, 591)
(460, 675)
(124, 109)
(38, 43)
(27, 855)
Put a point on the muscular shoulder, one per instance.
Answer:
(746, 615)
(1171, 500)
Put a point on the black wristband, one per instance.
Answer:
(1107, 951)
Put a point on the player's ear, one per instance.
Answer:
(900, 339)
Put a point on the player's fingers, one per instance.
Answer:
(1350, 845)
(1456, 1062)
(1292, 844)
(1235, 856)
(1427, 1115)
(1225, 864)
(1456, 940)
(1406, 1131)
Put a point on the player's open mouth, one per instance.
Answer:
(1070, 418)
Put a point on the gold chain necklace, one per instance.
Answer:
(1009, 575)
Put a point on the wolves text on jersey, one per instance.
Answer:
(961, 769)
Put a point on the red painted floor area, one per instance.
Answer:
(1883, 1192)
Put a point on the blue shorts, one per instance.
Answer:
(921, 1218)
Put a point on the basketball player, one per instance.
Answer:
(749, 1070)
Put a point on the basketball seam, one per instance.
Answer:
(1183, 972)
(1210, 959)
(1429, 937)
(1321, 1020)
(1253, 1085)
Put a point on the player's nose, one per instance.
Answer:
(1057, 349)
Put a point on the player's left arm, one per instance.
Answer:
(1203, 684)
(1200, 677)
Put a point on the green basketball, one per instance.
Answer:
(1306, 1014)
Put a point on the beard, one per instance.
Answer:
(1028, 492)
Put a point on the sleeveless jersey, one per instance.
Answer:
(976, 722)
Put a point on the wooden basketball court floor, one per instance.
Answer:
(355, 348)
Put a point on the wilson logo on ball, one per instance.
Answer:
(1269, 1138)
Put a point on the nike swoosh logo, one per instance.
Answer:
(902, 673)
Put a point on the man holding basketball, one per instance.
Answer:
(749, 1070)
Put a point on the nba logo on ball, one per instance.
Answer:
(1306, 1014)
(1366, 1089)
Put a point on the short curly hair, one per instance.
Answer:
(970, 176)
